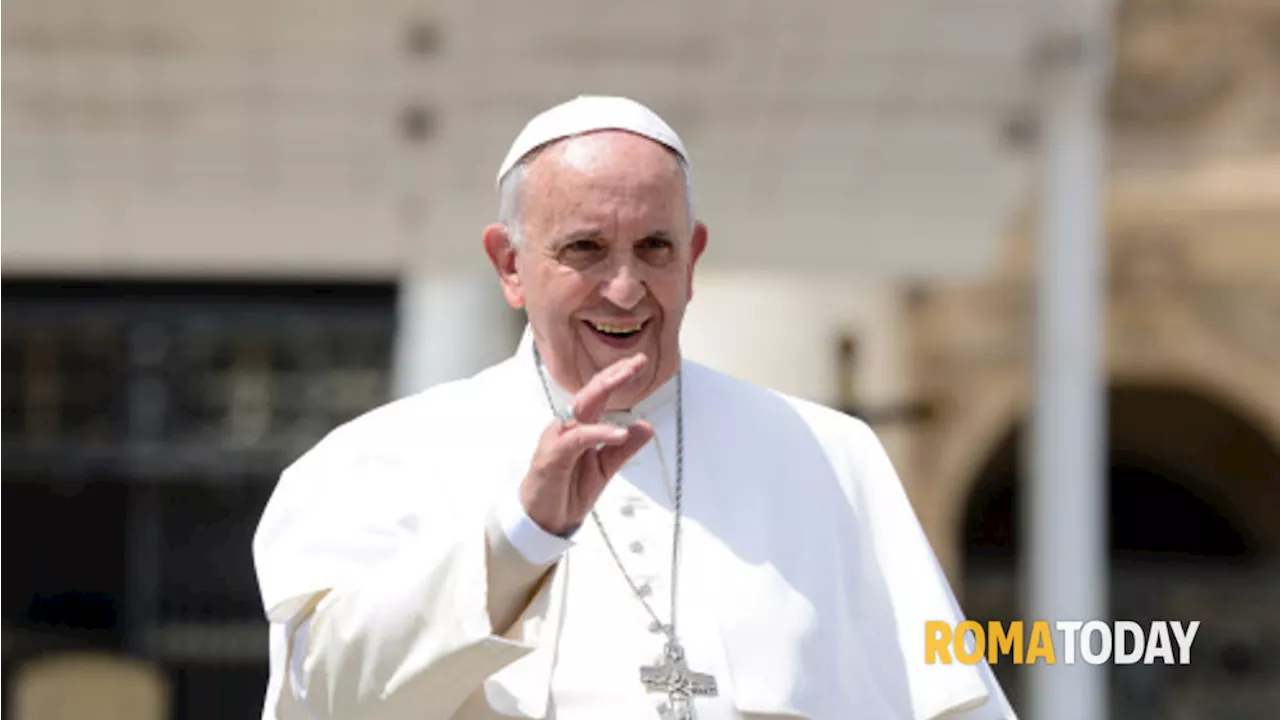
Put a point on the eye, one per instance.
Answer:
(582, 246)
(582, 253)
(655, 249)
(655, 243)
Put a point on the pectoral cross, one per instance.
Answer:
(674, 678)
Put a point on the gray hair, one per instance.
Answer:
(511, 196)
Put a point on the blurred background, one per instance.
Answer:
(229, 226)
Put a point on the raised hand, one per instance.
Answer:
(573, 462)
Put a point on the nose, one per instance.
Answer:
(623, 288)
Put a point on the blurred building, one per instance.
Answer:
(231, 226)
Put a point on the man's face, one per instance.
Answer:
(605, 268)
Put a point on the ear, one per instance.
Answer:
(503, 254)
(698, 243)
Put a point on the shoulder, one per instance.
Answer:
(775, 433)
(789, 433)
(760, 406)
(442, 410)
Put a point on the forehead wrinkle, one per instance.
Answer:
(600, 179)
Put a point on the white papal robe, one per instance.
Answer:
(805, 578)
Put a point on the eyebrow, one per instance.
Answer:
(576, 235)
(594, 233)
(660, 235)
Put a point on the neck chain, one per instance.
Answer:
(673, 644)
(672, 676)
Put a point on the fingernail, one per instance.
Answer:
(619, 433)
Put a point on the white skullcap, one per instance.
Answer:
(588, 113)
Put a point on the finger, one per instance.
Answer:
(592, 399)
(575, 441)
(614, 457)
(591, 483)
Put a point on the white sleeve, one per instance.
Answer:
(413, 640)
(536, 545)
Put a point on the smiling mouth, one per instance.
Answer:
(617, 331)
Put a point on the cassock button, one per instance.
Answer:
(628, 510)
(637, 547)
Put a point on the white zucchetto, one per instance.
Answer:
(589, 113)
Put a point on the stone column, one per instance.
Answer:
(1066, 563)
(450, 326)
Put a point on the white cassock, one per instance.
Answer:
(805, 578)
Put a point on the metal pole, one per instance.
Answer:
(1065, 517)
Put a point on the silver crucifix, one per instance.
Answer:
(674, 678)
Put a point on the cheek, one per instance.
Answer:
(563, 294)
(671, 292)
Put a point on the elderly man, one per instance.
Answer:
(596, 527)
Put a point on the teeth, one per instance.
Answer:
(616, 329)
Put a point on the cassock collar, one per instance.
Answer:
(651, 404)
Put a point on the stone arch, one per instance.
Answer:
(998, 403)
(1237, 480)
(1194, 487)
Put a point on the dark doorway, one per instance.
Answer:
(64, 562)
(145, 426)
(1191, 484)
